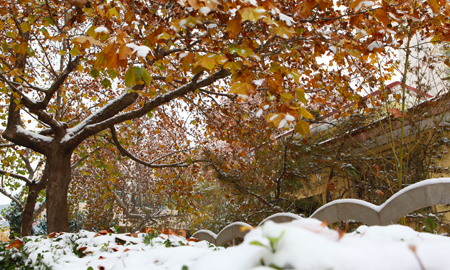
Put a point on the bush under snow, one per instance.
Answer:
(300, 244)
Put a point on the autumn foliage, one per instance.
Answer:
(71, 72)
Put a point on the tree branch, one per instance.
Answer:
(7, 145)
(84, 158)
(17, 176)
(151, 164)
(12, 198)
(153, 104)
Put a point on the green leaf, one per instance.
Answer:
(4, 46)
(146, 77)
(257, 243)
(112, 73)
(95, 73)
(113, 12)
(74, 52)
(30, 51)
(49, 20)
(106, 83)
(130, 77)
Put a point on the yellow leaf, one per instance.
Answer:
(113, 12)
(282, 31)
(22, 48)
(252, 14)
(436, 38)
(25, 26)
(245, 89)
(189, 21)
(286, 96)
(84, 40)
(302, 111)
(302, 127)
(164, 36)
(244, 52)
(353, 52)
(233, 66)
(207, 61)
(301, 95)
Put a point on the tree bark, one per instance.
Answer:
(27, 215)
(57, 188)
(28, 212)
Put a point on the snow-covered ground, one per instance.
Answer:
(300, 244)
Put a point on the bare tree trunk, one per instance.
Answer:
(58, 185)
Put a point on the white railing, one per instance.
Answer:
(414, 197)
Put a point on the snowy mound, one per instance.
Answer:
(300, 244)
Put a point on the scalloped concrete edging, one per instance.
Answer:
(414, 197)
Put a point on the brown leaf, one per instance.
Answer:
(396, 112)
(101, 258)
(303, 10)
(330, 186)
(132, 234)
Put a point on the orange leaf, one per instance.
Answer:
(382, 16)
(244, 229)
(192, 240)
(380, 193)
(434, 5)
(234, 26)
(194, 3)
(16, 244)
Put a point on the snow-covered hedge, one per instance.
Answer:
(301, 244)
